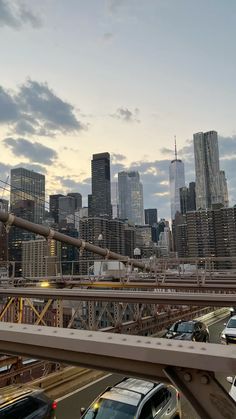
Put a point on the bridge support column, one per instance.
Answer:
(206, 395)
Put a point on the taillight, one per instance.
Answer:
(54, 405)
(178, 396)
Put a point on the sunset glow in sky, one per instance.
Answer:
(123, 76)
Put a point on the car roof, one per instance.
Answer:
(14, 392)
(187, 321)
(130, 391)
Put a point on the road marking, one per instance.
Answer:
(82, 388)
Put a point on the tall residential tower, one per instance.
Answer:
(207, 170)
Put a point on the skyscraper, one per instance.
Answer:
(27, 200)
(78, 199)
(101, 185)
(207, 170)
(54, 206)
(114, 200)
(224, 188)
(150, 216)
(131, 197)
(188, 198)
(27, 185)
(177, 181)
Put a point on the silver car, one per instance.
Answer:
(228, 336)
(136, 399)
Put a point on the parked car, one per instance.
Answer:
(232, 391)
(136, 399)
(22, 402)
(188, 330)
(228, 335)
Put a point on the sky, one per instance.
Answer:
(122, 76)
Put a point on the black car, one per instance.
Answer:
(188, 330)
(23, 402)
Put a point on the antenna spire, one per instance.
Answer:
(176, 156)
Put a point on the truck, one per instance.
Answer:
(108, 269)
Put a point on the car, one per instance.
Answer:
(232, 311)
(188, 330)
(134, 398)
(228, 335)
(232, 391)
(23, 402)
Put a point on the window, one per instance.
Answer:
(107, 409)
(160, 399)
(24, 408)
(146, 412)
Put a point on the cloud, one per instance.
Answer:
(117, 157)
(126, 115)
(15, 15)
(8, 107)
(66, 185)
(32, 166)
(227, 146)
(36, 110)
(34, 152)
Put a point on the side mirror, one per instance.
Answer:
(230, 380)
(82, 410)
(225, 324)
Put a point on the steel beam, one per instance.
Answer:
(11, 219)
(146, 297)
(148, 358)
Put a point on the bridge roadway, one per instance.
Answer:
(69, 405)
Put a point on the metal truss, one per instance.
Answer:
(137, 318)
(148, 358)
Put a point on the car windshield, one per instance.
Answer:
(232, 323)
(110, 409)
(184, 327)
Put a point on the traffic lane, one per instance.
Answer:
(216, 329)
(215, 332)
(69, 406)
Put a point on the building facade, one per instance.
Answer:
(39, 258)
(101, 186)
(176, 181)
(207, 170)
(115, 200)
(212, 233)
(78, 199)
(150, 216)
(131, 197)
(224, 188)
(54, 206)
(3, 233)
(27, 185)
(187, 198)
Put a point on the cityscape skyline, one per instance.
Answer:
(57, 110)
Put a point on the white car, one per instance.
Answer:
(232, 391)
(228, 336)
